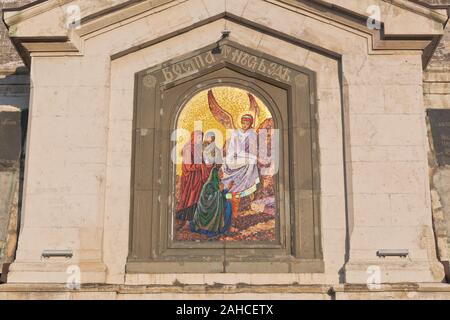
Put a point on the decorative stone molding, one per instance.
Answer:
(372, 151)
(162, 90)
(98, 17)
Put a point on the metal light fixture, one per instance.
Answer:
(383, 253)
(57, 254)
(225, 34)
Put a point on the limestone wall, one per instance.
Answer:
(437, 96)
(14, 98)
(77, 190)
(180, 291)
(14, 79)
(9, 58)
(10, 179)
(434, 2)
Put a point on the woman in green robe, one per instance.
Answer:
(213, 214)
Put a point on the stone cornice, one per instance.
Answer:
(411, 6)
(325, 291)
(420, 9)
(17, 14)
(106, 16)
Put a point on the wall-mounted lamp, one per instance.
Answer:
(224, 34)
(383, 253)
(46, 254)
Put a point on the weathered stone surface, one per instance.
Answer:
(10, 154)
(442, 183)
(10, 137)
(9, 58)
(436, 2)
(437, 96)
(78, 178)
(440, 131)
(14, 97)
(219, 291)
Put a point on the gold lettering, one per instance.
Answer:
(262, 66)
(187, 66)
(236, 56)
(177, 70)
(252, 62)
(199, 62)
(168, 75)
(279, 72)
(272, 68)
(226, 52)
(210, 59)
(244, 59)
(287, 75)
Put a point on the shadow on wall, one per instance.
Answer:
(14, 97)
(15, 89)
(439, 162)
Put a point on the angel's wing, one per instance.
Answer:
(267, 124)
(253, 104)
(220, 114)
(265, 132)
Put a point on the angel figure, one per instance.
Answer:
(240, 163)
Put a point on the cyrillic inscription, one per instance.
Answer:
(236, 56)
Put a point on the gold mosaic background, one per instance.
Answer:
(234, 100)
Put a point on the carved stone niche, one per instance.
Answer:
(289, 92)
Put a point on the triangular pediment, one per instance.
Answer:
(63, 26)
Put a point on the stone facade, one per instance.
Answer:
(14, 78)
(437, 96)
(14, 98)
(9, 58)
(372, 133)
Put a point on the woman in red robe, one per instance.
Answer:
(194, 174)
